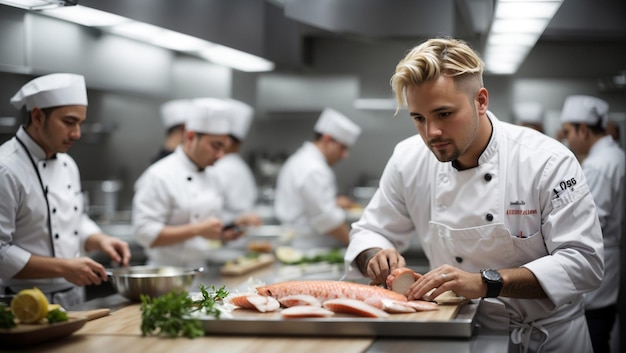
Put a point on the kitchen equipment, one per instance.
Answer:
(455, 318)
(154, 281)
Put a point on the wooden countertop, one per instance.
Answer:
(120, 331)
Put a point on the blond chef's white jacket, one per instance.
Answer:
(527, 204)
(306, 194)
(24, 212)
(604, 170)
(173, 191)
(238, 185)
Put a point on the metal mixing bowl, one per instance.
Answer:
(154, 281)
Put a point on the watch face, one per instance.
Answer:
(491, 275)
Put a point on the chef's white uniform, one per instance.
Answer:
(25, 213)
(238, 183)
(306, 192)
(604, 169)
(173, 192)
(526, 204)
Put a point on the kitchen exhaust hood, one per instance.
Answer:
(38, 4)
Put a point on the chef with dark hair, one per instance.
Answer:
(44, 231)
(584, 120)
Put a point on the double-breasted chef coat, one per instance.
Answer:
(306, 192)
(27, 206)
(526, 204)
(238, 185)
(604, 169)
(173, 191)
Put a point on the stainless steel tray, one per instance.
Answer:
(272, 324)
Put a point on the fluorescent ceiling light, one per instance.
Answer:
(38, 4)
(239, 60)
(516, 27)
(375, 104)
(162, 37)
(86, 16)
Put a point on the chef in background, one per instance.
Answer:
(44, 233)
(529, 114)
(306, 188)
(584, 120)
(503, 213)
(236, 177)
(174, 113)
(178, 203)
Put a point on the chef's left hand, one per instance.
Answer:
(114, 248)
(445, 278)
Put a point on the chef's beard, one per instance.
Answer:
(444, 155)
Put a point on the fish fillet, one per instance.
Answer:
(325, 290)
(354, 307)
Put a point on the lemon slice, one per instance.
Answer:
(29, 306)
(288, 254)
(52, 307)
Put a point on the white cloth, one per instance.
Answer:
(238, 185)
(528, 112)
(173, 192)
(24, 215)
(51, 91)
(209, 116)
(241, 118)
(176, 112)
(338, 126)
(539, 202)
(604, 168)
(306, 192)
(585, 109)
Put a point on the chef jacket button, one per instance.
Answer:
(44, 164)
(69, 187)
(75, 208)
(76, 232)
(54, 210)
(489, 217)
(458, 259)
(488, 177)
(65, 164)
(56, 236)
(189, 178)
(444, 179)
(45, 190)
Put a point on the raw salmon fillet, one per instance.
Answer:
(325, 290)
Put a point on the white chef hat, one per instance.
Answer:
(209, 116)
(585, 109)
(52, 90)
(175, 112)
(338, 126)
(528, 112)
(242, 115)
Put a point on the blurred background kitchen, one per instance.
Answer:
(299, 57)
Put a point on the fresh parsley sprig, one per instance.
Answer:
(56, 315)
(170, 314)
(7, 318)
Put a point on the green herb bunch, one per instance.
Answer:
(170, 314)
(7, 319)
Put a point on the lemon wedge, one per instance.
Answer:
(289, 255)
(29, 306)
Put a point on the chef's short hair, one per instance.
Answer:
(433, 58)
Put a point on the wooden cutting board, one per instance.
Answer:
(30, 334)
(244, 265)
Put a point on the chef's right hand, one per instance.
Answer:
(210, 228)
(83, 271)
(381, 265)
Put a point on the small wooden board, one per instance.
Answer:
(243, 266)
